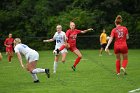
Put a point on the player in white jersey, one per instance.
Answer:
(60, 39)
(31, 56)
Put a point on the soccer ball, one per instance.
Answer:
(107, 38)
(0, 57)
(55, 52)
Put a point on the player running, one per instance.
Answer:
(120, 33)
(9, 47)
(103, 42)
(71, 35)
(60, 38)
(32, 57)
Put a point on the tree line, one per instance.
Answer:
(35, 20)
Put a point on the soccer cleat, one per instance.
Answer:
(47, 71)
(74, 69)
(37, 81)
(124, 71)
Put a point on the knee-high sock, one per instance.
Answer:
(55, 66)
(77, 61)
(38, 70)
(124, 63)
(62, 47)
(34, 76)
(118, 66)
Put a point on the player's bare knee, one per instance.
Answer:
(80, 56)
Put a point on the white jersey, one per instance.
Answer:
(23, 49)
(60, 39)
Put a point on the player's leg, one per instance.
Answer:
(118, 63)
(101, 50)
(78, 53)
(64, 54)
(30, 68)
(56, 59)
(125, 59)
(108, 52)
(10, 55)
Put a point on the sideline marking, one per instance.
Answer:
(135, 90)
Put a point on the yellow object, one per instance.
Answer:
(103, 38)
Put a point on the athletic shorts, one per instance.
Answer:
(120, 49)
(103, 45)
(72, 48)
(9, 49)
(32, 56)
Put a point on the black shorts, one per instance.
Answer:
(103, 45)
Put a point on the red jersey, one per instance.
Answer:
(72, 35)
(9, 41)
(119, 33)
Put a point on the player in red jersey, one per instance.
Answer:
(120, 33)
(71, 35)
(9, 46)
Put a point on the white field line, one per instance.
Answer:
(135, 90)
(8, 66)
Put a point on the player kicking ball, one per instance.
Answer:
(32, 57)
(71, 35)
(60, 39)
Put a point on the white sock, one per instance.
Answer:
(38, 70)
(34, 77)
(55, 66)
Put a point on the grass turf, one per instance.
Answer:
(94, 74)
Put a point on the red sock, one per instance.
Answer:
(62, 47)
(124, 63)
(77, 61)
(118, 66)
(9, 58)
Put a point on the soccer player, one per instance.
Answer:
(71, 35)
(120, 33)
(31, 56)
(103, 42)
(9, 47)
(60, 38)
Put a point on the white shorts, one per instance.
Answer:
(63, 51)
(32, 56)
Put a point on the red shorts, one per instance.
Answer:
(72, 48)
(120, 49)
(9, 49)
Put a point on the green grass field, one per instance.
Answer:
(94, 74)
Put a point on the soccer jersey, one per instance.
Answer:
(119, 33)
(60, 39)
(72, 35)
(23, 49)
(9, 41)
(103, 37)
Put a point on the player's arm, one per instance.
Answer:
(109, 42)
(85, 31)
(49, 40)
(20, 59)
(127, 36)
(5, 43)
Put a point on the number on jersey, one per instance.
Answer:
(120, 33)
